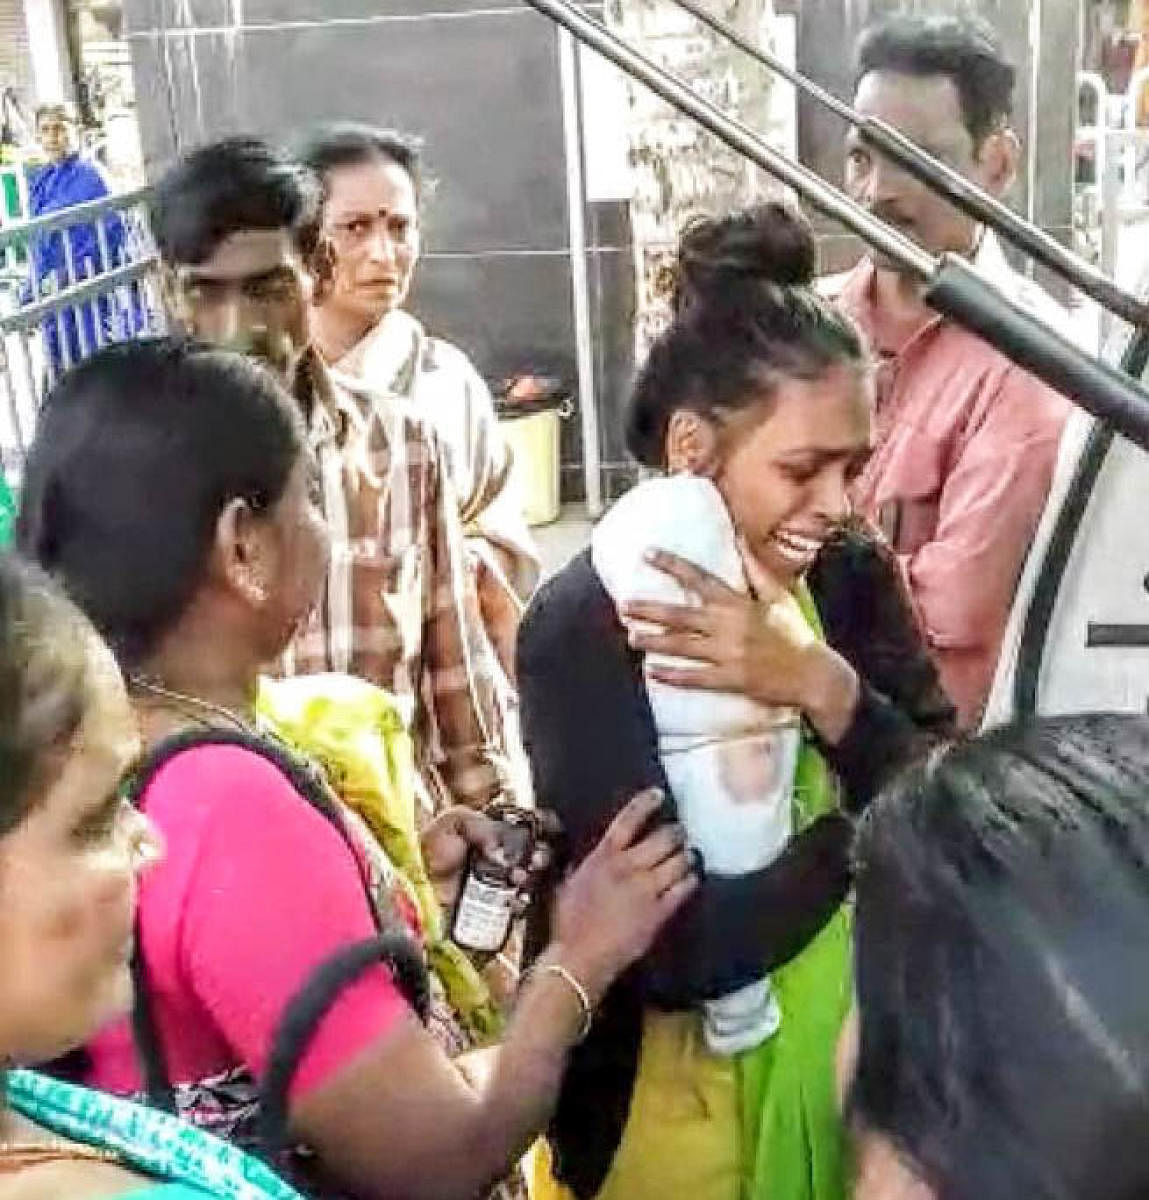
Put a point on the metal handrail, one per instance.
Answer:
(20, 232)
(31, 315)
(739, 137)
(953, 287)
(93, 302)
(940, 177)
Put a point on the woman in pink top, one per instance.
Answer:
(170, 492)
(71, 855)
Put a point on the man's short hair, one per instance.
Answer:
(227, 187)
(350, 144)
(965, 49)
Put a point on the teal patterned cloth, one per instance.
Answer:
(187, 1163)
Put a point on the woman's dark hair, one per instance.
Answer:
(45, 651)
(350, 144)
(137, 452)
(965, 49)
(744, 314)
(229, 187)
(1002, 946)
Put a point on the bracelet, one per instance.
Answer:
(580, 993)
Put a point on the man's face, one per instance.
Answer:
(250, 294)
(927, 109)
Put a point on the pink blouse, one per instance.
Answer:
(255, 891)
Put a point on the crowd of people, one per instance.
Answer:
(275, 663)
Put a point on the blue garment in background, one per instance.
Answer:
(51, 188)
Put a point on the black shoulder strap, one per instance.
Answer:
(303, 1014)
(158, 1090)
(306, 779)
(312, 1003)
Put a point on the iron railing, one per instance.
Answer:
(70, 283)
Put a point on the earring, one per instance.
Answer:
(698, 465)
(255, 587)
(147, 846)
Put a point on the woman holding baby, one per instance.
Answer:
(733, 637)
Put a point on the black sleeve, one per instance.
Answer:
(592, 744)
(880, 740)
(869, 619)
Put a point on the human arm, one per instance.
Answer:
(467, 719)
(591, 740)
(499, 603)
(493, 512)
(430, 1134)
(455, 1131)
(761, 647)
(869, 618)
(500, 546)
(450, 837)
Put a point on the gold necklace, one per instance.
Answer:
(196, 704)
(19, 1156)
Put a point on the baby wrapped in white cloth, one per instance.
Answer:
(730, 762)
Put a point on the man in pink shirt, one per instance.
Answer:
(965, 441)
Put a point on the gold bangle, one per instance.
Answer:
(580, 993)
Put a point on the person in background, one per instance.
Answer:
(238, 227)
(1000, 1046)
(71, 853)
(65, 180)
(966, 441)
(373, 184)
(195, 594)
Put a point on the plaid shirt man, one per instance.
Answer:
(399, 608)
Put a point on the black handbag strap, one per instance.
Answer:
(394, 947)
(311, 1004)
(153, 1064)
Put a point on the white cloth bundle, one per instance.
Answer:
(730, 762)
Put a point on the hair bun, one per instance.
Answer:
(770, 243)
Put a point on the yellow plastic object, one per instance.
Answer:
(353, 730)
(534, 444)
